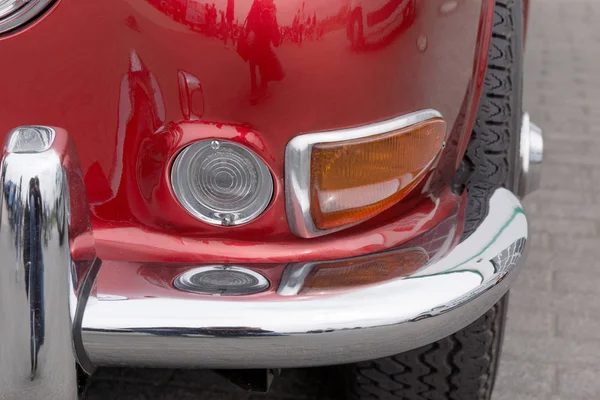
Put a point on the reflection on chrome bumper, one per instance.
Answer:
(40, 283)
(366, 323)
(53, 317)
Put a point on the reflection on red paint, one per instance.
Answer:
(191, 96)
(141, 113)
(152, 245)
(123, 277)
(375, 23)
(254, 46)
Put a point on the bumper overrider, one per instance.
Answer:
(55, 323)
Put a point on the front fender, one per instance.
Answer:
(124, 76)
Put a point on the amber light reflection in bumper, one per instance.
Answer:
(338, 276)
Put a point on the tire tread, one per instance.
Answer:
(458, 367)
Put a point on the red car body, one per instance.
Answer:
(113, 74)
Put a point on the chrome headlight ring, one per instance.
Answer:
(16, 13)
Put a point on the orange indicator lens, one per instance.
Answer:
(354, 180)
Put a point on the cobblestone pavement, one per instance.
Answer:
(552, 345)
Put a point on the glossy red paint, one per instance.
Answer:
(134, 279)
(141, 244)
(134, 81)
(155, 280)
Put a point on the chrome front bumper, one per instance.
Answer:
(54, 319)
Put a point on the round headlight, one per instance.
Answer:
(222, 183)
(15, 13)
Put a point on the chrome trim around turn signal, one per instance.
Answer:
(297, 166)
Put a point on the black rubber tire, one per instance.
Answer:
(493, 150)
(463, 366)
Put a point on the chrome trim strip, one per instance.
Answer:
(293, 278)
(297, 166)
(85, 291)
(22, 14)
(38, 280)
(294, 331)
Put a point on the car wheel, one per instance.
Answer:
(463, 366)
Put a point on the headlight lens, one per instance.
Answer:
(221, 182)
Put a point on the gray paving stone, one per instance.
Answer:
(574, 282)
(551, 301)
(562, 32)
(532, 278)
(542, 350)
(544, 195)
(579, 382)
(564, 226)
(578, 326)
(564, 261)
(566, 177)
(552, 210)
(576, 246)
(531, 321)
(583, 160)
(516, 395)
(527, 377)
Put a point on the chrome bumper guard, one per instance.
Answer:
(54, 321)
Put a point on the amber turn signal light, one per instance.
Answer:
(352, 181)
(335, 179)
(338, 276)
